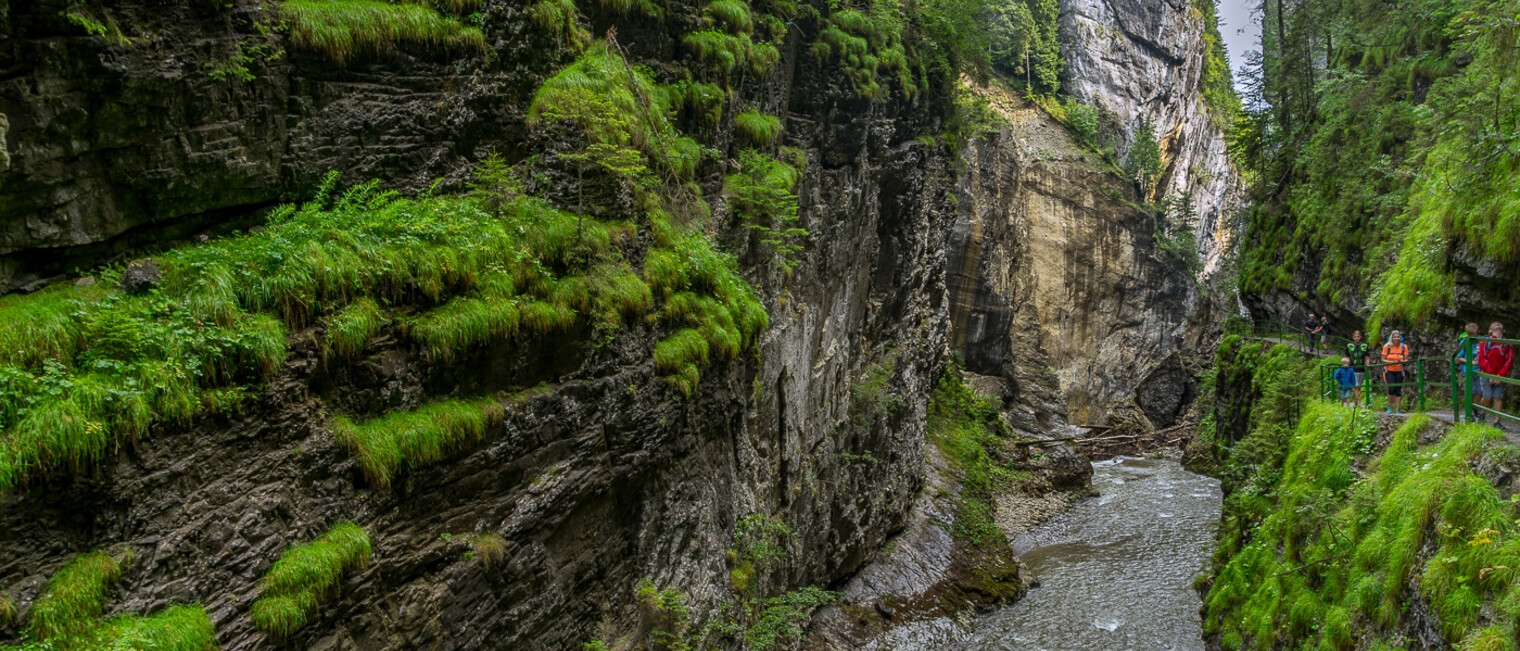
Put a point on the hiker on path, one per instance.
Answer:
(1494, 358)
(1360, 354)
(1395, 353)
(1345, 380)
(1316, 332)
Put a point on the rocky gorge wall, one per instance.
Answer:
(1143, 61)
(599, 474)
(1058, 285)
(1028, 260)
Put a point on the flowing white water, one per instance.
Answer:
(1116, 571)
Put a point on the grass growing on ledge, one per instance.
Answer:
(1334, 555)
(67, 614)
(351, 328)
(176, 628)
(74, 597)
(306, 575)
(412, 439)
(758, 128)
(342, 29)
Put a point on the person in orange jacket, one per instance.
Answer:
(1395, 353)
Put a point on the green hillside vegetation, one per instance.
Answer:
(1392, 140)
(1332, 527)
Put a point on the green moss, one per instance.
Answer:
(413, 439)
(342, 29)
(305, 576)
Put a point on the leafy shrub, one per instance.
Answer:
(761, 195)
(305, 576)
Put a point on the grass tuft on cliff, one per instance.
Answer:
(74, 597)
(410, 439)
(342, 29)
(67, 614)
(307, 575)
(350, 328)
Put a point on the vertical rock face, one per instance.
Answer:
(1142, 60)
(599, 475)
(1056, 282)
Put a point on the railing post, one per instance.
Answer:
(1467, 356)
(1419, 366)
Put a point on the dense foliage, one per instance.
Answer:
(1338, 530)
(1384, 139)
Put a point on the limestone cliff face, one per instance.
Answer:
(1057, 283)
(1142, 60)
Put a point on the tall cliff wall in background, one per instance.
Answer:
(1145, 61)
(1058, 281)
(1058, 285)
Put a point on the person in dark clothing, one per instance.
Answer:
(1360, 353)
(1315, 332)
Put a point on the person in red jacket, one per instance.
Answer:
(1494, 358)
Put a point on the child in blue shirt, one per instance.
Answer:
(1345, 378)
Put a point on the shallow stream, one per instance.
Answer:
(1115, 572)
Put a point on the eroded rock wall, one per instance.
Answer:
(600, 474)
(115, 144)
(1142, 60)
(1057, 283)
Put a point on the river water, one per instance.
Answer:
(1115, 571)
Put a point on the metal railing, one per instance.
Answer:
(1375, 385)
(1463, 405)
(1297, 335)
